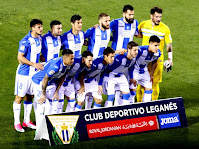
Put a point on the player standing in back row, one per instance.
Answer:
(51, 45)
(124, 29)
(28, 56)
(99, 36)
(154, 26)
(74, 38)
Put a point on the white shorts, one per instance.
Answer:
(92, 88)
(37, 89)
(112, 84)
(23, 85)
(142, 79)
(68, 90)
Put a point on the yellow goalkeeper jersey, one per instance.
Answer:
(161, 30)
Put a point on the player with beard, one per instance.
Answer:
(28, 56)
(154, 26)
(124, 29)
(99, 36)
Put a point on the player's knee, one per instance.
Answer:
(18, 99)
(148, 89)
(80, 103)
(98, 101)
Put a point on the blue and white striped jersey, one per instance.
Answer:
(123, 33)
(95, 70)
(76, 68)
(73, 42)
(54, 69)
(50, 46)
(31, 47)
(97, 40)
(144, 57)
(120, 64)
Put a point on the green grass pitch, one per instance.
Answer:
(180, 15)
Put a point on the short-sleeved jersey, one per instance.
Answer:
(54, 69)
(97, 40)
(50, 46)
(73, 42)
(31, 47)
(144, 57)
(123, 33)
(161, 30)
(120, 64)
(76, 68)
(95, 70)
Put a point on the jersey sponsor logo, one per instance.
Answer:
(169, 120)
(51, 72)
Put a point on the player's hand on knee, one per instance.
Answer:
(55, 96)
(151, 78)
(100, 89)
(133, 81)
(42, 99)
(81, 90)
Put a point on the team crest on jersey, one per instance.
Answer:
(64, 127)
(22, 47)
(51, 72)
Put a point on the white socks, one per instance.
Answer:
(71, 105)
(147, 96)
(27, 111)
(16, 110)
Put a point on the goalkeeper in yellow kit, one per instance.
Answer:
(146, 30)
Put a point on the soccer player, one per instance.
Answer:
(89, 79)
(51, 42)
(140, 74)
(99, 36)
(28, 56)
(68, 88)
(51, 45)
(154, 26)
(46, 81)
(116, 75)
(74, 38)
(124, 29)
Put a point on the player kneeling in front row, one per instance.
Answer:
(45, 81)
(140, 74)
(90, 78)
(116, 76)
(68, 89)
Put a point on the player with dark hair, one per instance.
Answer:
(74, 38)
(45, 81)
(154, 26)
(68, 87)
(139, 74)
(51, 42)
(51, 45)
(28, 56)
(124, 29)
(89, 79)
(116, 75)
